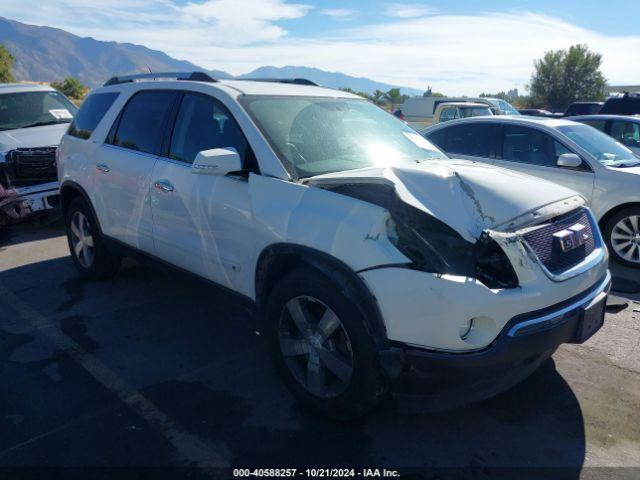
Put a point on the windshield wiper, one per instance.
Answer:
(623, 165)
(48, 122)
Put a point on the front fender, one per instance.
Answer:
(351, 230)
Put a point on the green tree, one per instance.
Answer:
(378, 97)
(71, 87)
(394, 97)
(565, 76)
(6, 65)
(430, 93)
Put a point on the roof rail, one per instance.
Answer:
(295, 81)
(194, 76)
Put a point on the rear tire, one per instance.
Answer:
(622, 235)
(88, 250)
(321, 346)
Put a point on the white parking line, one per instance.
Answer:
(191, 448)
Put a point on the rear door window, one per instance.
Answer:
(627, 133)
(91, 113)
(532, 146)
(471, 139)
(143, 120)
(447, 114)
(203, 123)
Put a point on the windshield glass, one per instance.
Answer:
(604, 148)
(33, 109)
(313, 136)
(475, 112)
(505, 106)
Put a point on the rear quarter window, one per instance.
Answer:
(91, 113)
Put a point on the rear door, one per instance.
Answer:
(124, 165)
(203, 223)
(535, 152)
(471, 141)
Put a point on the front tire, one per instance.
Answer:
(622, 234)
(321, 346)
(88, 250)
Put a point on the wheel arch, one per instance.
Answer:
(277, 260)
(71, 190)
(613, 211)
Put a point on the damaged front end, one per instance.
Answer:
(430, 244)
(455, 219)
(28, 183)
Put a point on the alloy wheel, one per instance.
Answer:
(315, 347)
(625, 239)
(82, 239)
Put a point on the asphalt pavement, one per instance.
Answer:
(155, 369)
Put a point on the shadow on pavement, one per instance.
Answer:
(188, 348)
(38, 228)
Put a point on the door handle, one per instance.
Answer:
(103, 167)
(163, 185)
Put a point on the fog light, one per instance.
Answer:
(466, 328)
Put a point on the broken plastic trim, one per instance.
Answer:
(430, 244)
(493, 267)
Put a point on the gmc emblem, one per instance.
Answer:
(572, 237)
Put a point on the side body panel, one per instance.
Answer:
(614, 187)
(120, 195)
(350, 230)
(205, 225)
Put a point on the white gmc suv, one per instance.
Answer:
(376, 263)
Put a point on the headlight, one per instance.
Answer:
(433, 246)
(493, 267)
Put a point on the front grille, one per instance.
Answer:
(548, 249)
(32, 164)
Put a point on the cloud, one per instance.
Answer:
(342, 14)
(219, 22)
(408, 10)
(455, 54)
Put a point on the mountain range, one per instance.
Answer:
(46, 54)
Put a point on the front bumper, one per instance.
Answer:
(21, 202)
(525, 342)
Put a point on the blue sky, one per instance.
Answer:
(455, 46)
(614, 17)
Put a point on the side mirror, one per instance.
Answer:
(217, 161)
(569, 160)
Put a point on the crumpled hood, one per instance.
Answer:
(44, 136)
(470, 197)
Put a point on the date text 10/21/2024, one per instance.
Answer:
(316, 472)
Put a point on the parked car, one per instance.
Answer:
(454, 110)
(625, 130)
(583, 108)
(577, 156)
(624, 104)
(33, 119)
(376, 263)
(419, 111)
